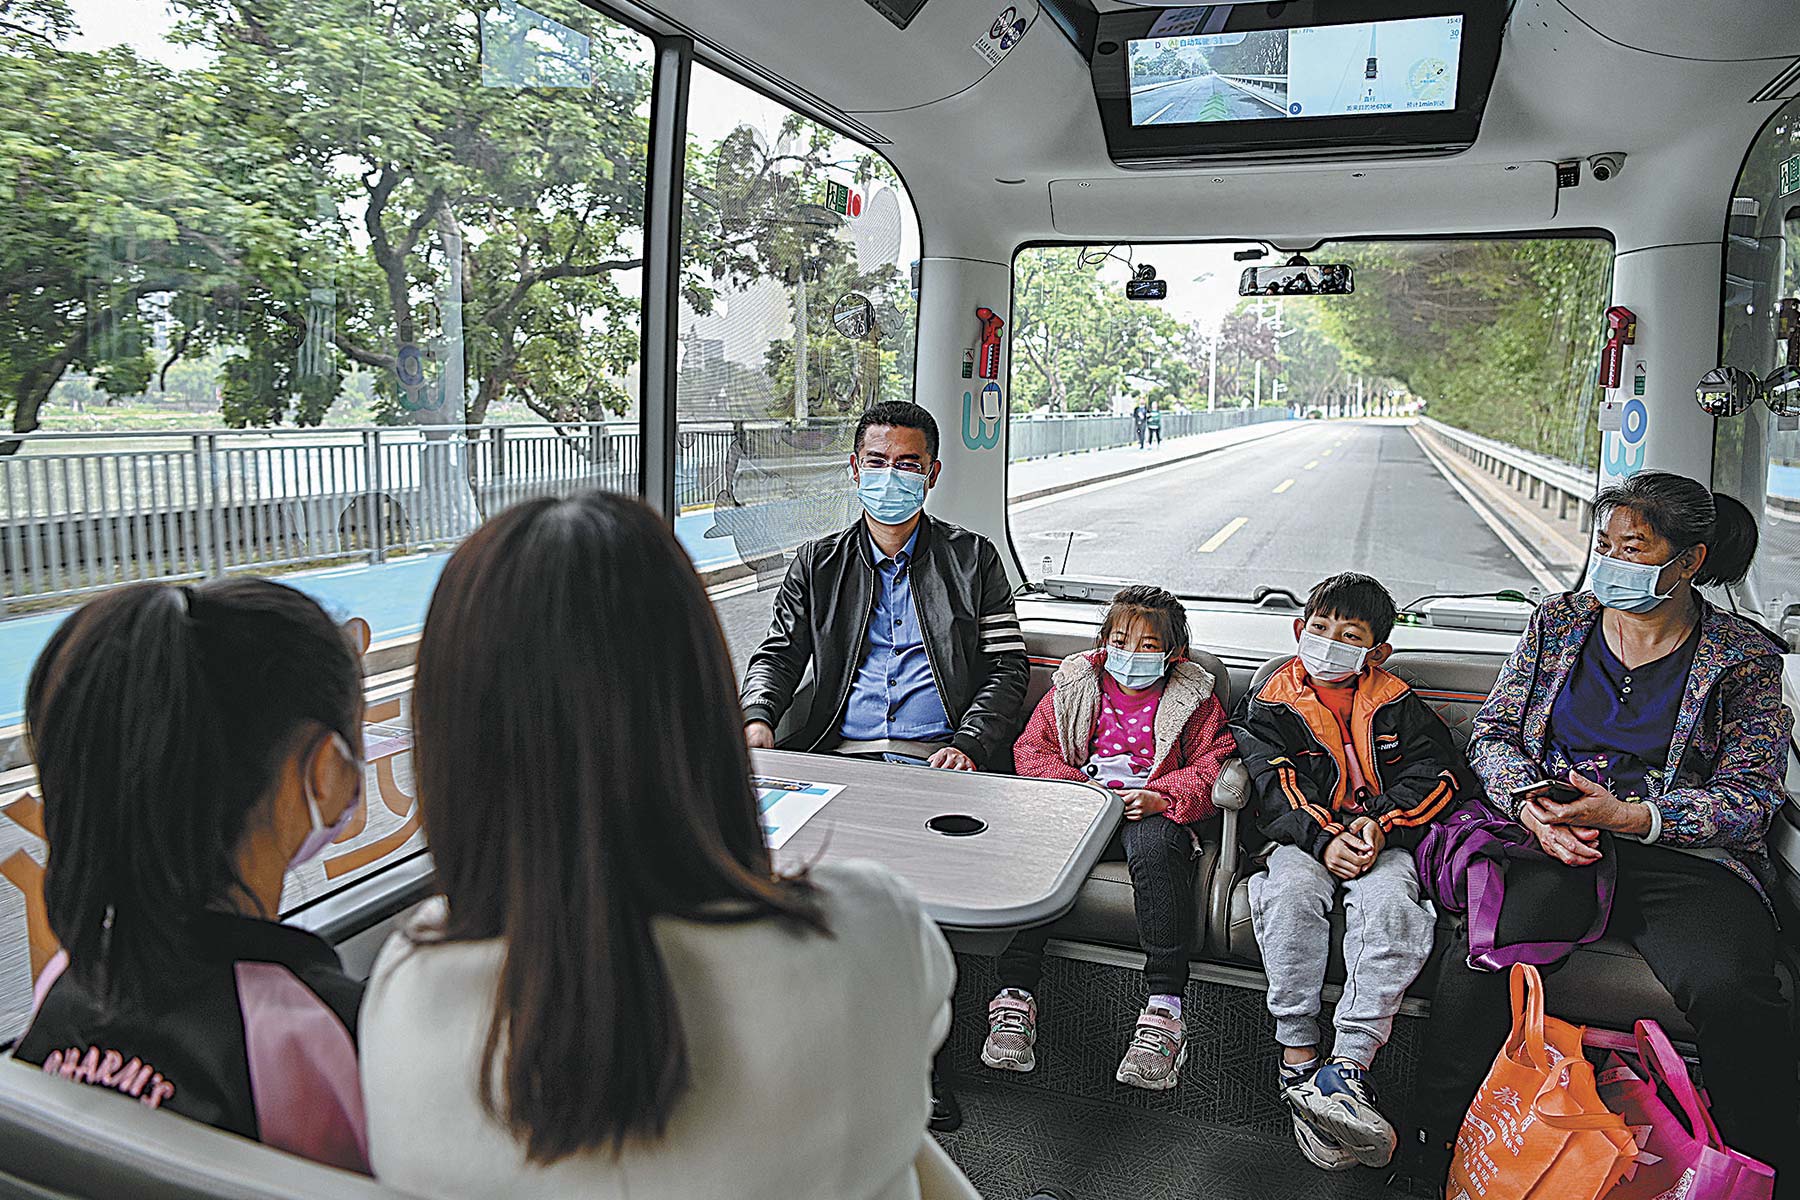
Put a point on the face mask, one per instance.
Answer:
(322, 835)
(891, 496)
(1328, 661)
(1135, 670)
(1627, 586)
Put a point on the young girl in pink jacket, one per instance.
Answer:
(1136, 716)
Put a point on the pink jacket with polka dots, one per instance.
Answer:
(1192, 739)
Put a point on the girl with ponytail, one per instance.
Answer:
(616, 993)
(192, 744)
(1638, 732)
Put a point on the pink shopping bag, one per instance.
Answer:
(1678, 1159)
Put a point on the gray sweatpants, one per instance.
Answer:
(1387, 935)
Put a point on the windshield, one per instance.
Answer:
(1436, 428)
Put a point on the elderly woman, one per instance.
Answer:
(1663, 715)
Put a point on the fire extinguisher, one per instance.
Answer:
(990, 342)
(1621, 331)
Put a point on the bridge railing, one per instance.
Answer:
(1552, 482)
(84, 512)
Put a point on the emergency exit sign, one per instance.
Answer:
(1790, 175)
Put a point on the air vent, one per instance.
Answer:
(1784, 86)
(900, 12)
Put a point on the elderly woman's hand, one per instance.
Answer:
(1572, 845)
(1596, 808)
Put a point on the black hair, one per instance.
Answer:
(1353, 597)
(904, 414)
(1160, 607)
(626, 799)
(1683, 513)
(158, 718)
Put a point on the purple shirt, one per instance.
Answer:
(1614, 724)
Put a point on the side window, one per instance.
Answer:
(797, 314)
(1756, 456)
(310, 290)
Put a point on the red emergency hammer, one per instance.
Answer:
(990, 342)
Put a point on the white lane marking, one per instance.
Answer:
(1151, 119)
(1315, 462)
(1519, 549)
(1100, 485)
(1327, 453)
(1283, 486)
(1218, 539)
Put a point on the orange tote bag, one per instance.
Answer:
(1537, 1129)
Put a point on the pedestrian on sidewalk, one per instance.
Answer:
(1140, 423)
(1153, 424)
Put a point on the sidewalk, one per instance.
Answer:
(1037, 477)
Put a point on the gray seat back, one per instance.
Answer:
(64, 1139)
(1049, 645)
(1454, 684)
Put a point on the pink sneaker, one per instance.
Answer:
(1157, 1053)
(1012, 1032)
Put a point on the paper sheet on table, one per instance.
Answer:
(787, 804)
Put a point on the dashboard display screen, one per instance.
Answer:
(1371, 68)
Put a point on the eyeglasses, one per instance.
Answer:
(909, 466)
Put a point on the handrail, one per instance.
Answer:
(1539, 475)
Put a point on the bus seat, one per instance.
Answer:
(1607, 984)
(1047, 648)
(63, 1139)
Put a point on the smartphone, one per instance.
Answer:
(1554, 789)
(905, 760)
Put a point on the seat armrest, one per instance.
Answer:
(1225, 875)
(1231, 790)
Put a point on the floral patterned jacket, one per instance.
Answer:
(1726, 763)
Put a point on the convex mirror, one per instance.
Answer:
(1727, 391)
(1781, 391)
(1310, 279)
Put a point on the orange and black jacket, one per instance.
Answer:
(1301, 792)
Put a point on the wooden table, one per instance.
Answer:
(1042, 838)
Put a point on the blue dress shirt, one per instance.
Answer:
(893, 694)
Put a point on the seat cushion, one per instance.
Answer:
(1106, 913)
(1606, 984)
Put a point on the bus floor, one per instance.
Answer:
(1069, 1125)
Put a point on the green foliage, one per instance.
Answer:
(1499, 337)
(1078, 345)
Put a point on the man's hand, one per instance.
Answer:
(1142, 802)
(952, 759)
(1572, 845)
(758, 735)
(1595, 808)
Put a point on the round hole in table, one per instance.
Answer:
(956, 825)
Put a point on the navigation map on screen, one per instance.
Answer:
(1312, 71)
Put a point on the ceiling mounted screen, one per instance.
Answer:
(1258, 81)
(1279, 74)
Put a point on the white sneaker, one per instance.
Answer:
(1320, 1150)
(1339, 1101)
(1157, 1052)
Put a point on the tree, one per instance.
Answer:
(1078, 345)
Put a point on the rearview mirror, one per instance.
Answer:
(1328, 279)
(1727, 391)
(1781, 391)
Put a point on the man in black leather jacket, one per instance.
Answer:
(908, 622)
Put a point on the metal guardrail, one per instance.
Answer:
(1539, 476)
(1041, 437)
(83, 512)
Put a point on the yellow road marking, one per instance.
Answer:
(1218, 539)
(1284, 486)
(1326, 454)
(1309, 466)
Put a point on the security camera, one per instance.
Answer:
(1604, 166)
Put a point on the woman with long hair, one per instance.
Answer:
(615, 991)
(193, 744)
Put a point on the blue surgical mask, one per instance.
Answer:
(1627, 586)
(1135, 670)
(891, 496)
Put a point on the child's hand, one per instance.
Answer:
(1142, 802)
(1353, 851)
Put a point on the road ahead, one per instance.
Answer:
(1282, 512)
(1207, 98)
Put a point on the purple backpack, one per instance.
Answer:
(1462, 863)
